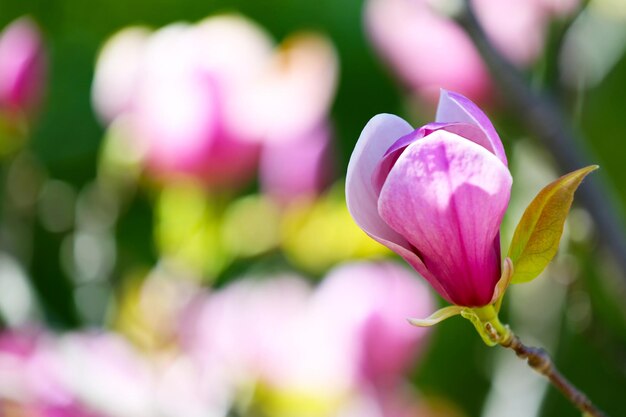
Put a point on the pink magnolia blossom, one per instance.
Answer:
(22, 66)
(435, 195)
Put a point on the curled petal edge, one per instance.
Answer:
(454, 107)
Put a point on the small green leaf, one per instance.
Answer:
(536, 238)
(437, 316)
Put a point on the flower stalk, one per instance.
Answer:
(539, 360)
(486, 321)
(494, 332)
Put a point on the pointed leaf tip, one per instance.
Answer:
(438, 316)
(536, 238)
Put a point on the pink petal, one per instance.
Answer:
(454, 107)
(377, 136)
(362, 200)
(447, 196)
(468, 131)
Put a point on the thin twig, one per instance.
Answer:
(545, 120)
(540, 361)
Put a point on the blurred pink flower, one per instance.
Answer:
(426, 50)
(105, 374)
(238, 328)
(71, 410)
(290, 96)
(279, 333)
(118, 72)
(559, 8)
(188, 387)
(31, 377)
(517, 28)
(436, 196)
(176, 86)
(23, 67)
(10, 408)
(274, 334)
(178, 111)
(202, 98)
(373, 323)
(289, 104)
(295, 168)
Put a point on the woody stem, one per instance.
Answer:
(490, 327)
(540, 361)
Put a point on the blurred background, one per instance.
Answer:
(174, 237)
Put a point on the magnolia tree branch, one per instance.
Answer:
(545, 120)
(540, 361)
(493, 332)
(486, 321)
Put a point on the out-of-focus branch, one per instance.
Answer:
(545, 120)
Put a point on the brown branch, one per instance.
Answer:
(545, 120)
(540, 361)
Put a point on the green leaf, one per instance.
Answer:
(437, 316)
(536, 238)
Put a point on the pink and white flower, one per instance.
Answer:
(436, 196)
